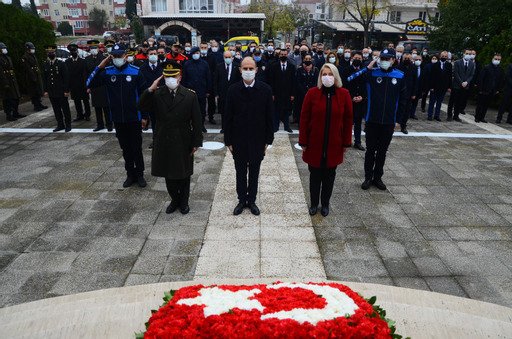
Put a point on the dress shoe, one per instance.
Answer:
(498, 121)
(59, 128)
(171, 208)
(239, 208)
(204, 130)
(141, 182)
(221, 131)
(476, 120)
(212, 121)
(110, 129)
(484, 121)
(509, 122)
(289, 130)
(150, 146)
(414, 117)
(463, 113)
(449, 119)
(429, 119)
(68, 129)
(38, 109)
(423, 110)
(185, 209)
(78, 119)
(19, 116)
(87, 118)
(366, 184)
(44, 107)
(11, 118)
(438, 119)
(313, 210)
(379, 184)
(457, 119)
(128, 182)
(99, 128)
(324, 211)
(254, 209)
(359, 147)
(404, 130)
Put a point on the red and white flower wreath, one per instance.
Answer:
(280, 310)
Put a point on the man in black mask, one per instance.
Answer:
(411, 79)
(281, 78)
(78, 76)
(295, 57)
(56, 86)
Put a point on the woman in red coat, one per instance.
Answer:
(325, 132)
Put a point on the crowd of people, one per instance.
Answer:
(326, 92)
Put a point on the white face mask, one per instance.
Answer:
(340, 50)
(425, 53)
(4, 50)
(332, 60)
(228, 61)
(94, 51)
(385, 64)
(434, 61)
(119, 62)
(347, 55)
(188, 49)
(398, 55)
(195, 56)
(129, 59)
(374, 57)
(270, 48)
(327, 80)
(109, 49)
(204, 51)
(248, 75)
(473, 56)
(467, 57)
(215, 49)
(496, 62)
(171, 82)
(32, 51)
(417, 62)
(153, 58)
(366, 55)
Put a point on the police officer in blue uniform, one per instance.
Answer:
(387, 101)
(124, 84)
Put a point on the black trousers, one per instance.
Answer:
(179, 191)
(359, 111)
(414, 106)
(221, 104)
(321, 180)
(11, 106)
(424, 101)
(460, 100)
(103, 117)
(482, 104)
(505, 105)
(129, 136)
(61, 111)
(247, 191)
(212, 106)
(405, 117)
(202, 107)
(80, 110)
(378, 138)
(36, 101)
(281, 113)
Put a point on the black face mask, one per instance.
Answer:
(308, 63)
(314, 50)
(161, 56)
(51, 56)
(296, 52)
(356, 63)
(443, 59)
(283, 58)
(74, 54)
(407, 62)
(303, 53)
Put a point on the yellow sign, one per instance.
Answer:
(416, 27)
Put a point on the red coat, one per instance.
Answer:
(312, 126)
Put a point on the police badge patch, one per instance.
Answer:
(393, 81)
(113, 78)
(379, 80)
(128, 78)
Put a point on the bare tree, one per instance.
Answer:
(361, 11)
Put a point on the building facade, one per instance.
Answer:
(76, 12)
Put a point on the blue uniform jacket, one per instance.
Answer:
(124, 87)
(197, 77)
(387, 97)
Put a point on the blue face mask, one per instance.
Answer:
(195, 56)
(257, 58)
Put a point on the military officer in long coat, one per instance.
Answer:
(78, 76)
(33, 77)
(9, 89)
(56, 86)
(178, 133)
(98, 94)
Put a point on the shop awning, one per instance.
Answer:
(350, 26)
(166, 15)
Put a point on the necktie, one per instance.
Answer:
(284, 67)
(172, 96)
(153, 67)
(466, 66)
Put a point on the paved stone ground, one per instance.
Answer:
(67, 226)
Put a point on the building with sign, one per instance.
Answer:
(199, 20)
(332, 26)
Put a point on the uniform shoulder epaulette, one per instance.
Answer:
(137, 67)
(108, 67)
(191, 90)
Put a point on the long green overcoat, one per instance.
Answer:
(178, 129)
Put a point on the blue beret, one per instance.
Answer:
(388, 53)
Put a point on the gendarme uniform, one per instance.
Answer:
(124, 84)
(9, 90)
(178, 131)
(56, 84)
(33, 79)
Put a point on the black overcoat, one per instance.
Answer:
(248, 124)
(9, 88)
(77, 78)
(32, 75)
(98, 94)
(179, 129)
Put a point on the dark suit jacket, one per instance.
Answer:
(460, 74)
(422, 81)
(248, 124)
(282, 83)
(221, 82)
(151, 75)
(490, 80)
(78, 77)
(56, 78)
(440, 79)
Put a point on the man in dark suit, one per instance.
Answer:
(411, 79)
(248, 131)
(463, 73)
(225, 75)
(281, 78)
(422, 85)
(490, 81)
(357, 89)
(78, 76)
(440, 76)
(177, 135)
(506, 101)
